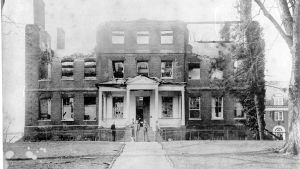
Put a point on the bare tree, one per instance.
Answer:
(290, 32)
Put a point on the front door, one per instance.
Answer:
(143, 109)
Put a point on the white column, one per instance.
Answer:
(128, 104)
(104, 114)
(156, 113)
(182, 108)
(100, 108)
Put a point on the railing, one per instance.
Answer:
(192, 134)
(73, 133)
(69, 133)
(275, 136)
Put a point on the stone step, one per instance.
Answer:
(140, 135)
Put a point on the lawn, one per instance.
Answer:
(61, 155)
(229, 155)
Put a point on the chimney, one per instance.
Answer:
(39, 12)
(60, 38)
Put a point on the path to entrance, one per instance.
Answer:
(142, 155)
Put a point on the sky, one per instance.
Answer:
(80, 19)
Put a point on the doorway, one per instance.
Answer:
(143, 109)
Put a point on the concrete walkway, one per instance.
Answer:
(142, 155)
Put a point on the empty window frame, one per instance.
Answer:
(194, 108)
(68, 109)
(166, 37)
(167, 107)
(45, 66)
(238, 110)
(278, 116)
(45, 109)
(67, 68)
(217, 108)
(142, 68)
(90, 108)
(117, 37)
(118, 69)
(142, 37)
(278, 99)
(194, 71)
(90, 68)
(167, 69)
(217, 74)
(45, 71)
(118, 107)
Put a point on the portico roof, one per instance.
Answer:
(137, 80)
(141, 80)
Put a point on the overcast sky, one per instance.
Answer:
(80, 19)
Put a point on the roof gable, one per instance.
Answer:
(141, 80)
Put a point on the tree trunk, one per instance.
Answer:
(293, 143)
(259, 118)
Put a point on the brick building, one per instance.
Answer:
(140, 70)
(276, 116)
(142, 65)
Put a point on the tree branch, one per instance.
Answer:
(288, 39)
(286, 17)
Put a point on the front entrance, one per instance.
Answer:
(143, 109)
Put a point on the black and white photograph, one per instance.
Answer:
(150, 84)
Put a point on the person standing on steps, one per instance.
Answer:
(146, 128)
(113, 131)
(157, 131)
(132, 126)
(136, 130)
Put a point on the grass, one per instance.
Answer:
(229, 155)
(65, 155)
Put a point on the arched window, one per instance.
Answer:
(279, 131)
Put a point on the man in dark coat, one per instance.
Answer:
(113, 131)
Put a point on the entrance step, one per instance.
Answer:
(151, 135)
(140, 135)
(127, 135)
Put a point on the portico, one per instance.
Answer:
(141, 98)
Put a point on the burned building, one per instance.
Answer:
(142, 65)
(140, 70)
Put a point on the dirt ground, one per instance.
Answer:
(229, 155)
(61, 155)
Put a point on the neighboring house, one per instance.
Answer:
(276, 116)
(141, 70)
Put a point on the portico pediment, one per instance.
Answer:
(141, 80)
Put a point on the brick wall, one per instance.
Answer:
(204, 88)
(105, 70)
(36, 41)
(271, 123)
(130, 28)
(32, 53)
(206, 110)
